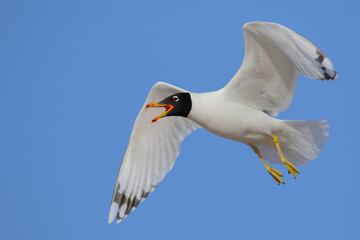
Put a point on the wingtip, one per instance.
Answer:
(113, 210)
(328, 77)
(327, 68)
(335, 75)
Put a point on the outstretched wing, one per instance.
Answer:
(274, 57)
(151, 153)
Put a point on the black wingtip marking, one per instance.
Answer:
(129, 206)
(131, 203)
(321, 56)
(144, 194)
(327, 76)
(136, 202)
(320, 59)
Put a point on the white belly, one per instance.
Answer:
(233, 121)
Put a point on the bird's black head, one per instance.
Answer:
(178, 104)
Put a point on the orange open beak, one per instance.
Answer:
(168, 108)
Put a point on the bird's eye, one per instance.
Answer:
(175, 98)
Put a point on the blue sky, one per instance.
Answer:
(73, 76)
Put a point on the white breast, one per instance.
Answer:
(232, 120)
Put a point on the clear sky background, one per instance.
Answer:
(73, 76)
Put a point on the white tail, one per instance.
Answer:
(302, 141)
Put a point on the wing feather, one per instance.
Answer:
(150, 155)
(274, 57)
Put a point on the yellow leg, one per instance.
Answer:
(273, 172)
(291, 168)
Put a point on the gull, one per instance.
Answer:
(244, 111)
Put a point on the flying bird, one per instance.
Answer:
(244, 111)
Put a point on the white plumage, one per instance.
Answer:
(243, 111)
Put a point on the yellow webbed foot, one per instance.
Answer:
(291, 168)
(275, 174)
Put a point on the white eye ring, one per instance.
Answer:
(175, 99)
